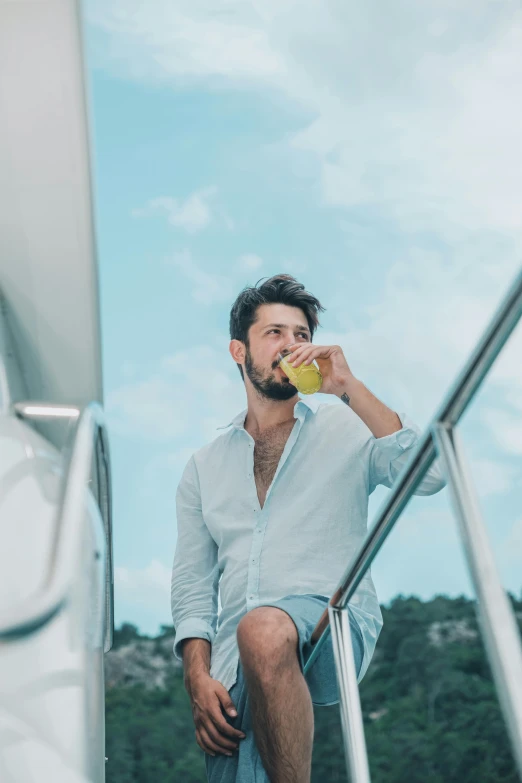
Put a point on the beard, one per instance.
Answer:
(268, 386)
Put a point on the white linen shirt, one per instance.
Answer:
(312, 522)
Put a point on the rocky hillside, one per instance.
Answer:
(140, 660)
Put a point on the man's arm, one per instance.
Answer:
(195, 577)
(379, 419)
(195, 572)
(393, 438)
(196, 658)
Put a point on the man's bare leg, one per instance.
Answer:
(280, 702)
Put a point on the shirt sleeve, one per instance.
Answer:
(195, 572)
(389, 454)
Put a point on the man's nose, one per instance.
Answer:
(283, 345)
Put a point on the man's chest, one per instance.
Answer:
(322, 467)
(267, 454)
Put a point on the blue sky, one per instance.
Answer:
(375, 159)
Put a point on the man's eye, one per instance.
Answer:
(302, 334)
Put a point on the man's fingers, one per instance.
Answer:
(225, 700)
(224, 727)
(213, 733)
(206, 743)
(209, 743)
(302, 353)
(202, 744)
(216, 736)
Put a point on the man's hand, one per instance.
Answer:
(213, 734)
(331, 362)
(338, 379)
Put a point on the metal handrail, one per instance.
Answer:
(501, 636)
(450, 412)
(90, 439)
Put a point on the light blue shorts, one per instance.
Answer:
(245, 765)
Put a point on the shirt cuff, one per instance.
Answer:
(393, 445)
(192, 627)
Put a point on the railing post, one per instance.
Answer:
(498, 623)
(349, 701)
(500, 630)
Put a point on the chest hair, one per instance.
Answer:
(267, 452)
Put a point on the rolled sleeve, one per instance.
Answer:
(388, 456)
(195, 571)
(191, 628)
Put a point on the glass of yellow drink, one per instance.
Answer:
(306, 378)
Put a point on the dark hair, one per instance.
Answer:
(279, 289)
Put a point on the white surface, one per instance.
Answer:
(51, 683)
(30, 478)
(47, 255)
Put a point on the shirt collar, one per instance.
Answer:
(300, 409)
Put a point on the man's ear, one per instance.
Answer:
(237, 351)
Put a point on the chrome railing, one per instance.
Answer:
(496, 617)
(90, 441)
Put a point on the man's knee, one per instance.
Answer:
(267, 635)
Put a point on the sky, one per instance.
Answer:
(371, 151)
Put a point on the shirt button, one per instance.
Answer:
(406, 438)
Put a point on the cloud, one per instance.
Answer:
(504, 420)
(414, 113)
(250, 261)
(506, 428)
(148, 408)
(511, 547)
(191, 391)
(207, 288)
(419, 330)
(154, 575)
(176, 460)
(147, 587)
(492, 478)
(411, 126)
(193, 214)
(186, 41)
(423, 554)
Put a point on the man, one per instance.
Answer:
(276, 506)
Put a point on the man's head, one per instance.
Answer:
(263, 320)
